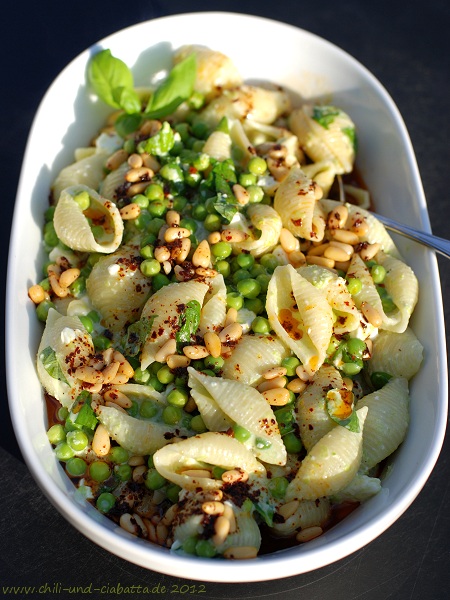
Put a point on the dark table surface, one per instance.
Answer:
(406, 46)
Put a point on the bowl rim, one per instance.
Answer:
(287, 563)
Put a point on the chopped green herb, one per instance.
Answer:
(51, 364)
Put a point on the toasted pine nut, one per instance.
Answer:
(167, 266)
(173, 218)
(360, 226)
(347, 383)
(275, 372)
(288, 509)
(318, 250)
(214, 237)
(190, 405)
(234, 475)
(118, 398)
(137, 188)
(138, 473)
(116, 159)
(241, 194)
(130, 211)
(318, 191)
(213, 507)
(337, 217)
(176, 233)
(221, 529)
(296, 259)
(60, 291)
(336, 254)
(136, 460)
(342, 265)
(231, 316)
(301, 372)
(138, 174)
(68, 276)
(344, 235)
(140, 524)
(170, 514)
(107, 355)
(162, 253)
(195, 352)
(89, 374)
(180, 253)
(233, 235)
(202, 255)
(128, 523)
(277, 396)
(150, 127)
(369, 251)
(241, 552)
(277, 168)
(116, 406)
(120, 379)
(168, 348)
(213, 343)
(101, 444)
(177, 361)
(231, 333)
(369, 348)
(161, 533)
(209, 495)
(309, 533)
(110, 371)
(125, 366)
(37, 293)
(371, 314)
(202, 272)
(229, 514)
(150, 162)
(346, 247)
(197, 473)
(288, 241)
(272, 384)
(135, 161)
(322, 261)
(296, 385)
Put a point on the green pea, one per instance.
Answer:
(246, 179)
(62, 413)
(212, 222)
(222, 267)
(63, 451)
(157, 208)
(379, 379)
(189, 545)
(354, 285)
(76, 466)
(378, 273)
(78, 287)
(270, 262)
(262, 444)
(49, 213)
(214, 362)
(123, 472)
(141, 376)
(153, 480)
(290, 363)
(199, 212)
(105, 502)
(221, 250)
(278, 486)
(235, 300)
(198, 364)
(179, 203)
(205, 549)
(77, 440)
(198, 425)
(263, 281)
(292, 443)
(240, 274)
(118, 455)
(190, 224)
(201, 162)
(285, 419)
(101, 342)
(356, 347)
(99, 470)
(217, 472)
(261, 325)
(173, 492)
(56, 434)
(154, 192)
(208, 372)
(147, 251)
(178, 397)
(256, 270)
(129, 146)
(351, 368)
(150, 267)
(156, 384)
(87, 323)
(159, 280)
(150, 462)
(388, 304)
(165, 375)
(257, 165)
(256, 305)
(256, 194)
(50, 236)
(171, 415)
(245, 261)
(240, 433)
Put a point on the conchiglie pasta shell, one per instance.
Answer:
(223, 402)
(252, 357)
(72, 346)
(295, 202)
(210, 448)
(88, 171)
(72, 226)
(164, 308)
(300, 315)
(386, 423)
(117, 287)
(267, 221)
(399, 354)
(360, 489)
(247, 533)
(331, 464)
(112, 181)
(310, 513)
(323, 173)
(218, 145)
(214, 309)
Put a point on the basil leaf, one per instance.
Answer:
(224, 177)
(340, 407)
(85, 417)
(225, 209)
(107, 73)
(351, 133)
(127, 99)
(126, 124)
(177, 88)
(266, 512)
(136, 335)
(325, 115)
(51, 364)
(161, 143)
(188, 323)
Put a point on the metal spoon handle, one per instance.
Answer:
(437, 243)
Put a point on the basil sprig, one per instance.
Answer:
(188, 323)
(51, 364)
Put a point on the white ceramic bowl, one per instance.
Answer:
(308, 66)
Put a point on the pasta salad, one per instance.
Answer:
(226, 350)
